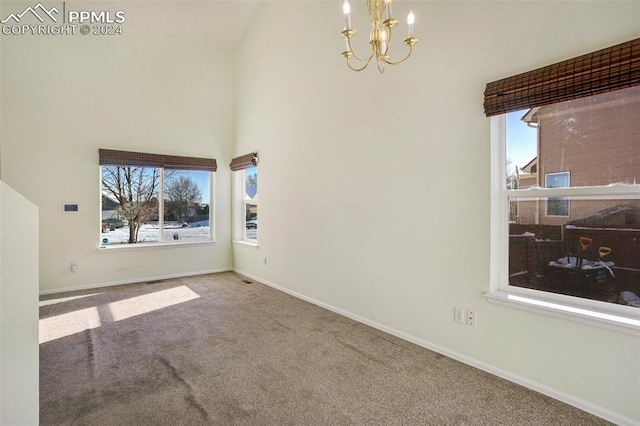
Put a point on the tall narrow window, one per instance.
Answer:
(152, 198)
(250, 197)
(246, 174)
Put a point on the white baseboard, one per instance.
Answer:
(134, 281)
(560, 396)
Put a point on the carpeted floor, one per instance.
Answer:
(214, 350)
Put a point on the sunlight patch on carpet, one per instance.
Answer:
(85, 319)
(66, 299)
(139, 305)
(68, 324)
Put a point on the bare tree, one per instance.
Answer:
(181, 194)
(252, 182)
(511, 174)
(135, 189)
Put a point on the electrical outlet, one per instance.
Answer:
(459, 315)
(74, 267)
(471, 318)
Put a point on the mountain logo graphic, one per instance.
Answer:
(38, 11)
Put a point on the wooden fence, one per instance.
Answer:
(532, 247)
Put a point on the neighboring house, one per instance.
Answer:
(528, 174)
(524, 177)
(577, 147)
(109, 206)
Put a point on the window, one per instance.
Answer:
(587, 251)
(186, 205)
(245, 169)
(566, 234)
(557, 206)
(250, 200)
(135, 212)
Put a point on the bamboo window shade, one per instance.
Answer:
(244, 161)
(110, 157)
(605, 70)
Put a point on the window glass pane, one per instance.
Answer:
(129, 205)
(596, 138)
(593, 254)
(251, 182)
(251, 221)
(557, 180)
(521, 155)
(186, 205)
(557, 206)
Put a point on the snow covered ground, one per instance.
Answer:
(150, 233)
(251, 234)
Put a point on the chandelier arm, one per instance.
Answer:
(354, 53)
(359, 69)
(401, 61)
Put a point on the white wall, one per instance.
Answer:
(374, 189)
(65, 97)
(18, 309)
(1, 14)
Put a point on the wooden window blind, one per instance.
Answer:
(609, 69)
(244, 161)
(110, 157)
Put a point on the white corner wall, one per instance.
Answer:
(19, 356)
(374, 189)
(64, 97)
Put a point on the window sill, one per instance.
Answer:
(247, 244)
(623, 322)
(142, 246)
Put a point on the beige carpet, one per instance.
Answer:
(214, 350)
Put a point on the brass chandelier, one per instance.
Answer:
(382, 21)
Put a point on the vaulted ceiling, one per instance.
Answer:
(218, 24)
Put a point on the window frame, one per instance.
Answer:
(602, 314)
(111, 158)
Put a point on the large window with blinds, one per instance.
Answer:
(566, 209)
(152, 198)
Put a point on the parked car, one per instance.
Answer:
(112, 223)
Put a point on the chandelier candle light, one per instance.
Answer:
(382, 21)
